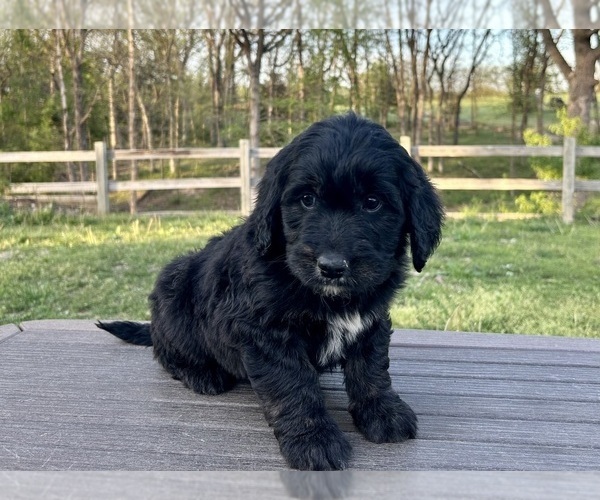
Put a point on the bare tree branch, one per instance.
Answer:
(555, 54)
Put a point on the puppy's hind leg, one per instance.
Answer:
(203, 374)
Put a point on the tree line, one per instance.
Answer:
(65, 89)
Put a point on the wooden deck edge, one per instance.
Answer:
(76, 325)
(301, 484)
(437, 338)
(7, 331)
(400, 337)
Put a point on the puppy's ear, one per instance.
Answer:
(266, 217)
(425, 215)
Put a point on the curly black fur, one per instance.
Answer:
(304, 284)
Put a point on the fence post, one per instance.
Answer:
(406, 143)
(568, 181)
(245, 177)
(102, 178)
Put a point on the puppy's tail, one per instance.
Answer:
(133, 333)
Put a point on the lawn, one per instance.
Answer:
(534, 277)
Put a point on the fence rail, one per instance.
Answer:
(568, 185)
(102, 187)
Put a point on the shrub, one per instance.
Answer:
(551, 168)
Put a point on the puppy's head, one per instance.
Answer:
(340, 202)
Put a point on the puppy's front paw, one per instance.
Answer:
(385, 419)
(325, 448)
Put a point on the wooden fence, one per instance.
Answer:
(103, 186)
(569, 152)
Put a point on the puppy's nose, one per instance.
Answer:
(332, 265)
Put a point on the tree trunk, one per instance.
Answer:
(254, 44)
(131, 103)
(146, 123)
(215, 40)
(171, 113)
(582, 82)
(63, 102)
(414, 97)
(301, 84)
(254, 69)
(112, 121)
(541, 94)
(229, 85)
(478, 55)
(399, 84)
(76, 49)
(580, 78)
(421, 98)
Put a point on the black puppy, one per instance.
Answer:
(305, 283)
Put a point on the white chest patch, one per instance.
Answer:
(342, 331)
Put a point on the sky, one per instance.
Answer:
(368, 14)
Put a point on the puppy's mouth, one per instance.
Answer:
(334, 287)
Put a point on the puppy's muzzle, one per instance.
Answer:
(332, 266)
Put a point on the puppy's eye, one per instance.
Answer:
(372, 204)
(308, 200)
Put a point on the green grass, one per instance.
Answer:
(534, 277)
(90, 268)
(537, 276)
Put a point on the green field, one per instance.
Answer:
(535, 277)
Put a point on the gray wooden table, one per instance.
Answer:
(75, 398)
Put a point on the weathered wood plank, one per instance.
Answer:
(589, 151)
(139, 447)
(283, 484)
(164, 184)
(568, 180)
(497, 356)
(243, 399)
(57, 198)
(550, 391)
(60, 326)
(587, 185)
(208, 418)
(52, 187)
(178, 153)
(484, 388)
(265, 152)
(102, 178)
(520, 372)
(7, 331)
(498, 184)
(246, 201)
(400, 338)
(93, 402)
(138, 485)
(47, 156)
(442, 151)
(425, 338)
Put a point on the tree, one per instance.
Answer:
(254, 44)
(348, 42)
(481, 43)
(585, 44)
(131, 100)
(216, 42)
(528, 78)
(60, 79)
(396, 59)
(580, 77)
(445, 54)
